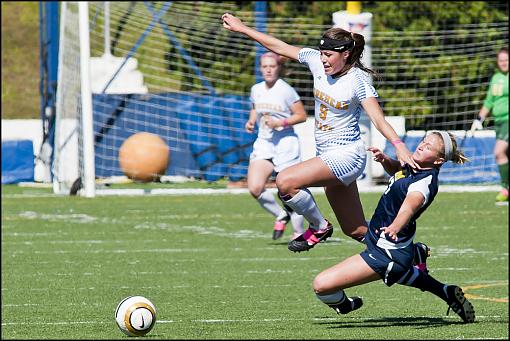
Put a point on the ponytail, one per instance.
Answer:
(457, 156)
(356, 51)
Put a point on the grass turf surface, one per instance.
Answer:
(210, 267)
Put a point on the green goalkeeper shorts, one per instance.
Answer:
(501, 130)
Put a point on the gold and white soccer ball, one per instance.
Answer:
(135, 315)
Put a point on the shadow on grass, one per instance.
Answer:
(284, 241)
(417, 322)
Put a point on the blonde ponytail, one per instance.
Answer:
(457, 155)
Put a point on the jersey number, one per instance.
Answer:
(497, 90)
(323, 111)
(398, 175)
(392, 180)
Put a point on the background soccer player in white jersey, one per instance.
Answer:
(389, 252)
(341, 92)
(276, 107)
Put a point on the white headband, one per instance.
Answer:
(448, 146)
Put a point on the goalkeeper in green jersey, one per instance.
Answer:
(496, 103)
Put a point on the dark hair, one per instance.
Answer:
(502, 50)
(356, 52)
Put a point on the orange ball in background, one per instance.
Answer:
(144, 157)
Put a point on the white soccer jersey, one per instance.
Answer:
(274, 102)
(337, 103)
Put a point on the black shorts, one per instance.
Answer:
(392, 264)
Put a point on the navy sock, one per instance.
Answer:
(425, 282)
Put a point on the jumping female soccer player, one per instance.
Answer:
(390, 250)
(341, 91)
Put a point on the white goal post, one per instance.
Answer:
(86, 102)
(171, 69)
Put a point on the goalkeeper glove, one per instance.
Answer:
(477, 124)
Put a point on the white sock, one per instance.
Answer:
(267, 201)
(304, 204)
(297, 222)
(335, 298)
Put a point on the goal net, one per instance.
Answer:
(169, 68)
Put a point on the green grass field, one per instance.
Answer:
(209, 265)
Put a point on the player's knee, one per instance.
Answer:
(320, 285)
(256, 189)
(256, 192)
(285, 183)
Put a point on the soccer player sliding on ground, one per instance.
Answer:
(390, 250)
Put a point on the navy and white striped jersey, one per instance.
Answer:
(337, 102)
(400, 184)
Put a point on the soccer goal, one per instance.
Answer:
(170, 69)
(162, 68)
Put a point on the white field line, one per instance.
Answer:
(212, 191)
(344, 318)
(362, 188)
(111, 251)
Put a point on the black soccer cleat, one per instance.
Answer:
(348, 305)
(310, 238)
(459, 304)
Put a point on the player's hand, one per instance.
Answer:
(476, 125)
(271, 122)
(379, 156)
(405, 156)
(249, 126)
(232, 23)
(274, 123)
(390, 231)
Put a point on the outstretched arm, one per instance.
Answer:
(234, 24)
(376, 115)
(390, 166)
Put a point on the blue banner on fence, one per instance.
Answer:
(205, 133)
(17, 161)
(207, 138)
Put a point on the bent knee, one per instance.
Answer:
(320, 285)
(256, 189)
(256, 192)
(286, 183)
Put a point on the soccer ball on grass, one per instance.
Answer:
(135, 315)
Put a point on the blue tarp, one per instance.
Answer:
(207, 138)
(205, 133)
(17, 161)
